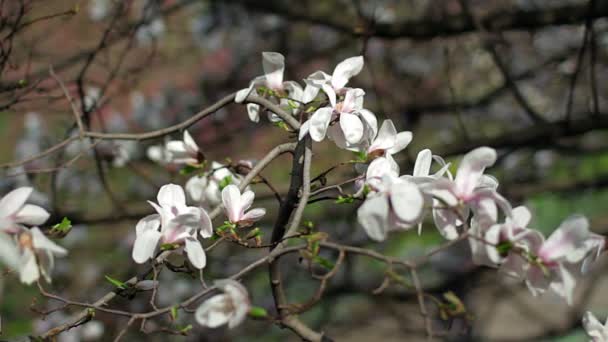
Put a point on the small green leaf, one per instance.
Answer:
(116, 282)
(63, 227)
(258, 312)
(188, 169)
(168, 246)
(186, 328)
(225, 182)
(345, 200)
(174, 312)
(324, 262)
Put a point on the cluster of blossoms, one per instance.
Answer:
(27, 251)
(464, 205)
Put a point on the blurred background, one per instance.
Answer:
(526, 77)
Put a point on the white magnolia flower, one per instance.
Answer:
(335, 83)
(183, 151)
(470, 190)
(176, 224)
(230, 307)
(596, 331)
(30, 253)
(274, 66)
(235, 205)
(206, 189)
(354, 123)
(388, 141)
(14, 211)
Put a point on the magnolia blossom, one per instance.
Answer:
(30, 253)
(175, 223)
(183, 151)
(335, 83)
(470, 190)
(206, 190)
(14, 211)
(388, 141)
(235, 205)
(274, 66)
(544, 263)
(354, 122)
(230, 307)
(596, 331)
(393, 203)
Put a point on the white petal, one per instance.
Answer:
(145, 245)
(191, 145)
(32, 215)
(319, 122)
(40, 241)
(310, 93)
(214, 312)
(253, 110)
(231, 198)
(9, 255)
(206, 224)
(521, 216)
(195, 252)
(242, 94)
(14, 200)
(591, 324)
(247, 198)
(150, 222)
(422, 166)
(352, 127)
(371, 122)
(177, 148)
(345, 70)
(446, 221)
(386, 137)
(304, 129)
(274, 65)
(195, 187)
(171, 195)
(253, 215)
(373, 215)
(28, 272)
(401, 141)
(471, 168)
(407, 201)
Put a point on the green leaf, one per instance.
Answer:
(345, 199)
(63, 227)
(173, 312)
(116, 282)
(225, 182)
(168, 246)
(258, 312)
(188, 169)
(186, 328)
(323, 262)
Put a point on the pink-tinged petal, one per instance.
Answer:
(206, 226)
(352, 127)
(195, 253)
(145, 245)
(472, 167)
(41, 242)
(310, 93)
(231, 198)
(214, 312)
(253, 110)
(317, 79)
(345, 70)
(32, 215)
(514, 265)
(150, 222)
(242, 94)
(443, 190)
(28, 270)
(401, 141)
(331, 94)
(253, 215)
(422, 166)
(335, 133)
(521, 216)
(319, 122)
(565, 240)
(373, 215)
(385, 138)
(407, 201)
(353, 100)
(171, 195)
(380, 167)
(14, 200)
(485, 211)
(492, 237)
(190, 144)
(274, 66)
(177, 148)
